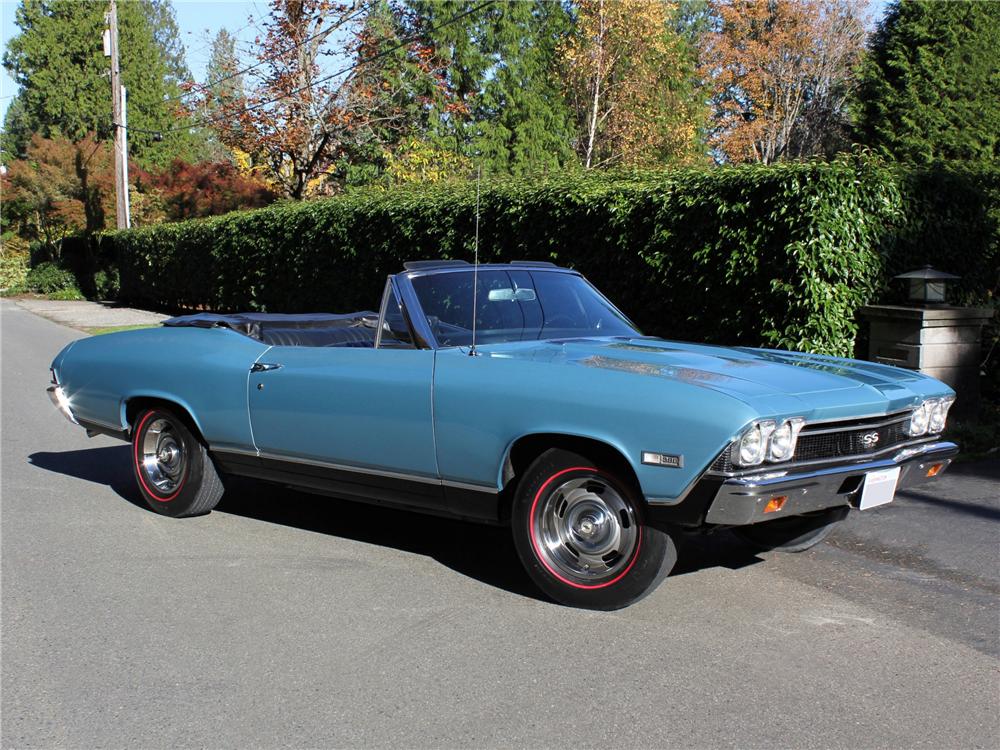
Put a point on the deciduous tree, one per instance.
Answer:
(629, 81)
(309, 125)
(780, 72)
(59, 188)
(189, 191)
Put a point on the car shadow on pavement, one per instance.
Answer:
(720, 549)
(484, 553)
(108, 466)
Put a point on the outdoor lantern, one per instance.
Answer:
(927, 286)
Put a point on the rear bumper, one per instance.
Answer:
(61, 402)
(740, 501)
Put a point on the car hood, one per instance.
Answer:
(772, 381)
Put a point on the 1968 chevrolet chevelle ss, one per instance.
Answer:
(546, 410)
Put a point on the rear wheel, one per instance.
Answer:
(794, 534)
(175, 474)
(581, 534)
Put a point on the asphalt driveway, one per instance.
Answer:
(287, 620)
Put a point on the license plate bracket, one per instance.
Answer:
(879, 488)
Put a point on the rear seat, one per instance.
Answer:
(354, 336)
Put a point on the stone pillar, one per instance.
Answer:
(943, 342)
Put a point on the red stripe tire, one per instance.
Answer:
(175, 474)
(581, 534)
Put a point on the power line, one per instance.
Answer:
(198, 88)
(383, 53)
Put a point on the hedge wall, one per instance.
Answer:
(777, 256)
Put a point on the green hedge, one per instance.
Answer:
(778, 256)
(951, 220)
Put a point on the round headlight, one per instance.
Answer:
(751, 448)
(939, 414)
(920, 419)
(781, 442)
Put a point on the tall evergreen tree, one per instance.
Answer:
(221, 74)
(221, 90)
(167, 34)
(58, 62)
(16, 132)
(930, 85)
(501, 67)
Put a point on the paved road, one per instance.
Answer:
(290, 620)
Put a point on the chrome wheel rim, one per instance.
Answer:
(163, 458)
(584, 532)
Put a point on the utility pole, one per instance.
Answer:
(119, 125)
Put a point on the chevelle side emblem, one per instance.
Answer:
(662, 459)
(869, 440)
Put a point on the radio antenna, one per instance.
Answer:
(475, 267)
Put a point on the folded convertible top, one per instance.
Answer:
(309, 329)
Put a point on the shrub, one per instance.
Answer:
(48, 278)
(13, 272)
(779, 255)
(69, 293)
(106, 284)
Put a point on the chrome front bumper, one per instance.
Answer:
(59, 400)
(741, 500)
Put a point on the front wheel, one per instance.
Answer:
(175, 474)
(581, 534)
(794, 534)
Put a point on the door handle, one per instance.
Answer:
(264, 367)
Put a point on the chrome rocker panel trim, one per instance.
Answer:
(357, 469)
(740, 501)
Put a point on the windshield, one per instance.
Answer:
(516, 305)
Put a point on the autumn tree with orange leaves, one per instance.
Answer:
(629, 83)
(337, 83)
(59, 188)
(780, 73)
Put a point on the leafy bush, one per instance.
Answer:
(951, 220)
(13, 272)
(778, 255)
(69, 293)
(48, 278)
(106, 284)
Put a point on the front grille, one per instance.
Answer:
(833, 440)
(854, 442)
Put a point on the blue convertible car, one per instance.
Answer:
(513, 394)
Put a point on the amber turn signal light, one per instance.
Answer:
(775, 503)
(935, 470)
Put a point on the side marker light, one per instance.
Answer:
(775, 504)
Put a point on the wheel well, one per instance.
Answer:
(526, 449)
(134, 406)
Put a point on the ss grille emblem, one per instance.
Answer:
(869, 440)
